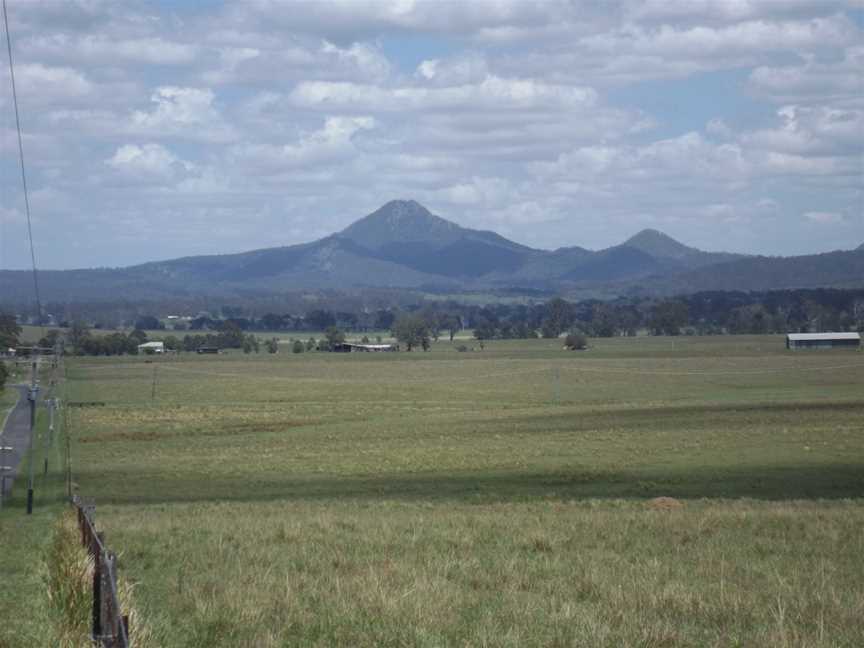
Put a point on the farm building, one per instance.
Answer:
(151, 347)
(349, 347)
(823, 340)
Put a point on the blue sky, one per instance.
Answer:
(157, 130)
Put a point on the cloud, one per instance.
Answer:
(102, 51)
(492, 93)
(330, 144)
(556, 122)
(44, 84)
(813, 80)
(148, 163)
(814, 131)
(460, 70)
(183, 112)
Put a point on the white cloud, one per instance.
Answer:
(303, 116)
(459, 70)
(330, 144)
(183, 112)
(817, 131)
(492, 93)
(361, 59)
(49, 84)
(147, 163)
(814, 80)
(102, 51)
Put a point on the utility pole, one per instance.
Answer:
(49, 403)
(4, 450)
(153, 389)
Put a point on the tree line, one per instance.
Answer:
(704, 313)
(416, 326)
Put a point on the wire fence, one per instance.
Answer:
(110, 625)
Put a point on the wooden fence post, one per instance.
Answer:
(97, 592)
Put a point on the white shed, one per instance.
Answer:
(823, 340)
(151, 347)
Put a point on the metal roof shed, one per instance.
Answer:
(823, 340)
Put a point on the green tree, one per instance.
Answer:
(604, 321)
(79, 335)
(333, 337)
(453, 324)
(485, 330)
(250, 344)
(149, 323)
(412, 331)
(9, 331)
(139, 336)
(298, 347)
(230, 335)
(668, 317)
(559, 317)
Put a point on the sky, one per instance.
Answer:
(154, 130)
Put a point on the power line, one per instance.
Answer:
(23, 174)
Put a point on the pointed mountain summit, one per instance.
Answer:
(401, 221)
(673, 254)
(407, 221)
(660, 245)
(405, 232)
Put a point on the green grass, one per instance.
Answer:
(500, 497)
(25, 613)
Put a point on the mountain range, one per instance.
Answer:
(403, 245)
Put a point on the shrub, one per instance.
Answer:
(298, 347)
(576, 342)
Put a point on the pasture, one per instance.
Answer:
(501, 497)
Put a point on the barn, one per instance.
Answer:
(823, 340)
(349, 347)
(151, 347)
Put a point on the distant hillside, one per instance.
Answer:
(404, 246)
(660, 246)
(839, 269)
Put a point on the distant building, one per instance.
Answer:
(349, 347)
(207, 349)
(151, 347)
(823, 340)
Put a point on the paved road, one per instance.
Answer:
(16, 434)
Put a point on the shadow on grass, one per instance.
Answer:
(790, 482)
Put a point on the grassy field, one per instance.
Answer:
(26, 618)
(494, 498)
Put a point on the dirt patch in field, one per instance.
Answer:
(664, 504)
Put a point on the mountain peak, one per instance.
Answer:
(399, 208)
(658, 244)
(400, 221)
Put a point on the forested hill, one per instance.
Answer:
(841, 269)
(402, 245)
